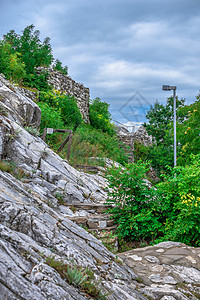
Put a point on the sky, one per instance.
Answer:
(123, 50)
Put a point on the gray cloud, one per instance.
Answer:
(118, 47)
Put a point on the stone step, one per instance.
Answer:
(111, 228)
(93, 221)
(97, 207)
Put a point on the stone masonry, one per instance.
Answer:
(127, 139)
(67, 85)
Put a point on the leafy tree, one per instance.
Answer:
(66, 105)
(161, 127)
(10, 63)
(59, 67)
(100, 116)
(189, 133)
(33, 54)
(160, 116)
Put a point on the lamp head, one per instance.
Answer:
(168, 87)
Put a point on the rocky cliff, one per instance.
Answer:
(35, 226)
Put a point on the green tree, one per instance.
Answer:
(160, 116)
(66, 105)
(100, 117)
(33, 54)
(10, 63)
(189, 133)
(59, 67)
(161, 128)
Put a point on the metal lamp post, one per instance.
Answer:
(169, 88)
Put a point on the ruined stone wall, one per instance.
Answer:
(128, 139)
(69, 86)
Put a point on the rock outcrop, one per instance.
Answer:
(36, 224)
(168, 270)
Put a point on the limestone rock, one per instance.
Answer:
(18, 107)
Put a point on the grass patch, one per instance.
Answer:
(78, 277)
(12, 168)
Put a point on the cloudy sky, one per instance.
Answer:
(123, 50)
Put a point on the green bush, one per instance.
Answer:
(51, 118)
(11, 64)
(170, 212)
(134, 203)
(66, 105)
(100, 117)
(59, 67)
(180, 195)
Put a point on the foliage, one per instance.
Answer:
(134, 202)
(180, 194)
(33, 52)
(160, 116)
(51, 118)
(169, 212)
(100, 117)
(59, 67)
(78, 276)
(189, 133)
(161, 127)
(66, 105)
(140, 151)
(89, 142)
(11, 64)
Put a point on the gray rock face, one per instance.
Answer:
(31, 231)
(19, 108)
(35, 225)
(169, 269)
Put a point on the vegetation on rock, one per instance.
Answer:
(79, 277)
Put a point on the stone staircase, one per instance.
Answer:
(97, 222)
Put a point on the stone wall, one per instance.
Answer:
(128, 139)
(69, 86)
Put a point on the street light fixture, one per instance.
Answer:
(169, 88)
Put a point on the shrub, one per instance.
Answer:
(100, 117)
(66, 105)
(51, 118)
(180, 194)
(59, 67)
(134, 203)
(171, 212)
(10, 63)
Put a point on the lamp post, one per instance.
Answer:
(169, 88)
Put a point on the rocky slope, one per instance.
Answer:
(35, 224)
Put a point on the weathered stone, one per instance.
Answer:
(68, 86)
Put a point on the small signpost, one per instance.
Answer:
(68, 139)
